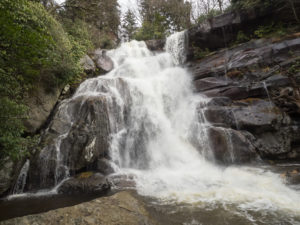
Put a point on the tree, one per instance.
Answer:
(102, 17)
(129, 25)
(34, 51)
(162, 17)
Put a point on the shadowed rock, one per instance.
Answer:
(77, 137)
(92, 184)
(231, 146)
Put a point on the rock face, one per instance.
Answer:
(77, 137)
(254, 99)
(220, 30)
(102, 60)
(40, 107)
(86, 183)
(156, 45)
(88, 64)
(120, 209)
(231, 146)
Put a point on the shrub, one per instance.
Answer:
(34, 49)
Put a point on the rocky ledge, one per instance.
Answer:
(126, 209)
(255, 101)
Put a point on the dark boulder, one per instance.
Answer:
(93, 184)
(259, 115)
(104, 166)
(255, 115)
(77, 137)
(156, 45)
(219, 101)
(274, 144)
(231, 146)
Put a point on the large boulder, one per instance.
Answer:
(274, 144)
(248, 114)
(231, 146)
(77, 137)
(156, 45)
(103, 61)
(86, 183)
(270, 128)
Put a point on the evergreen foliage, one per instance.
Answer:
(34, 49)
(129, 25)
(101, 16)
(160, 18)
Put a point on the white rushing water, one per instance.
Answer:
(159, 135)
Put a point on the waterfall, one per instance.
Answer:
(21, 180)
(158, 135)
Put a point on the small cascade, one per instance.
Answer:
(229, 145)
(21, 181)
(177, 45)
(235, 120)
(61, 170)
(267, 92)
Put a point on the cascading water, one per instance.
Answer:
(158, 136)
(161, 136)
(21, 181)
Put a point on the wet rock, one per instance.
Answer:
(220, 116)
(156, 45)
(274, 144)
(231, 146)
(259, 115)
(81, 128)
(104, 166)
(258, 55)
(88, 64)
(252, 114)
(103, 61)
(122, 208)
(292, 176)
(219, 101)
(93, 184)
(123, 182)
(210, 83)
